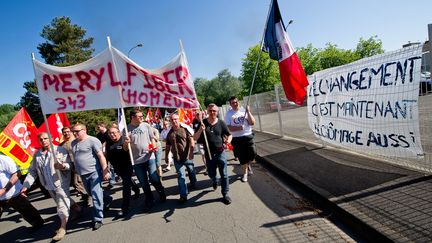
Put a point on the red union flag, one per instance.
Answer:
(279, 47)
(19, 140)
(55, 123)
(185, 116)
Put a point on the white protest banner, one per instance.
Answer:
(111, 80)
(370, 105)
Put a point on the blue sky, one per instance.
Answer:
(215, 34)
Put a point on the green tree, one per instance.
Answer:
(30, 100)
(332, 56)
(369, 47)
(7, 112)
(309, 58)
(65, 43)
(217, 90)
(267, 74)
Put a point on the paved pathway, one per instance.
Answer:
(263, 210)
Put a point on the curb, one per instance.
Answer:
(312, 193)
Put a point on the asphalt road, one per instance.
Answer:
(263, 210)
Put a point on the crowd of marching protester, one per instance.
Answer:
(118, 153)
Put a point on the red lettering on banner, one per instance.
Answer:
(177, 101)
(147, 78)
(83, 78)
(48, 81)
(143, 98)
(113, 82)
(169, 82)
(154, 98)
(66, 83)
(129, 72)
(98, 77)
(167, 99)
(182, 74)
(77, 102)
(129, 96)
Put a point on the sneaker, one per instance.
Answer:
(227, 200)
(109, 186)
(97, 225)
(136, 191)
(60, 235)
(250, 172)
(215, 185)
(244, 178)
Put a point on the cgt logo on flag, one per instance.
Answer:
(19, 139)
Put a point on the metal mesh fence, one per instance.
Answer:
(275, 114)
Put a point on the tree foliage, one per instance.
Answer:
(65, 43)
(267, 74)
(7, 112)
(217, 90)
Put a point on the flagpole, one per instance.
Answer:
(121, 102)
(258, 59)
(45, 119)
(199, 105)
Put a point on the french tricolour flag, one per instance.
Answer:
(279, 47)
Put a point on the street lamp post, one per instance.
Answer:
(138, 45)
(289, 22)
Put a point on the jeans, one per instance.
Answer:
(181, 167)
(158, 157)
(112, 175)
(93, 185)
(219, 161)
(141, 171)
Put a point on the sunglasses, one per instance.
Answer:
(77, 131)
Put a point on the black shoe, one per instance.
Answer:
(97, 225)
(205, 173)
(182, 200)
(123, 213)
(109, 186)
(162, 196)
(227, 200)
(136, 193)
(215, 185)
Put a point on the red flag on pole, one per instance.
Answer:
(149, 117)
(19, 140)
(55, 123)
(279, 47)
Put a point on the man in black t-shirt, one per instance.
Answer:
(118, 155)
(217, 134)
(103, 137)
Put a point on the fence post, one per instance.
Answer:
(258, 113)
(430, 49)
(278, 109)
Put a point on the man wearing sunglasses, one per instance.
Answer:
(142, 141)
(91, 165)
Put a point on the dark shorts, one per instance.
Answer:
(244, 148)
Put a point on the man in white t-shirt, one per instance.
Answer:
(240, 121)
(10, 188)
